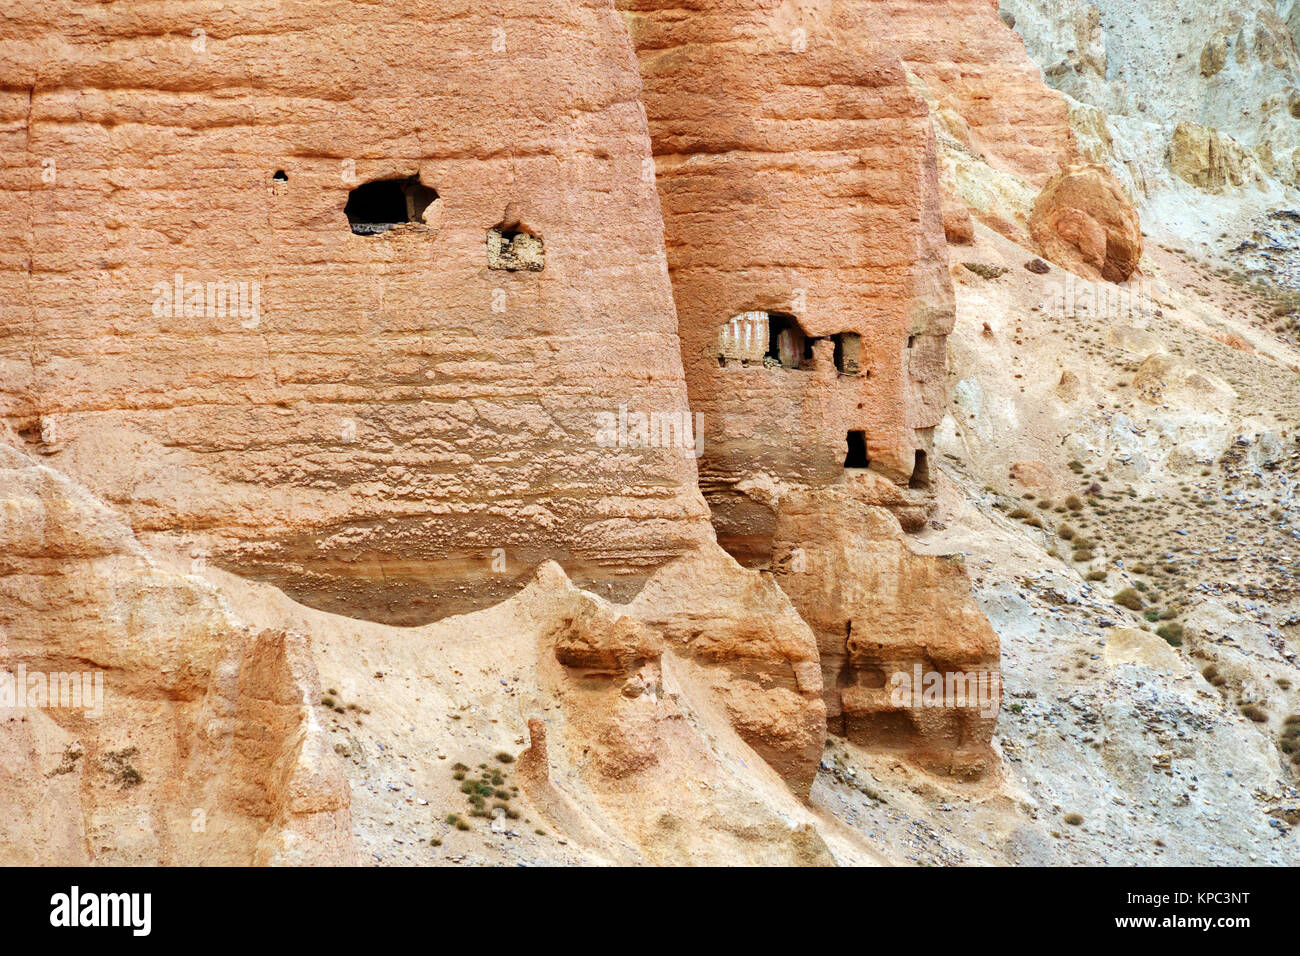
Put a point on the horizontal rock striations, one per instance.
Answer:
(805, 239)
(389, 411)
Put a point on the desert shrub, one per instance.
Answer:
(1254, 712)
(985, 271)
(1172, 633)
(1130, 599)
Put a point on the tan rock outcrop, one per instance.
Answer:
(755, 651)
(958, 224)
(1208, 159)
(889, 624)
(192, 738)
(1082, 220)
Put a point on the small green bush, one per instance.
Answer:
(1172, 633)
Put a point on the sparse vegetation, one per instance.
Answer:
(1255, 712)
(1172, 634)
(117, 763)
(1130, 599)
(489, 784)
(68, 762)
(986, 271)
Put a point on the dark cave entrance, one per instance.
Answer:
(786, 342)
(848, 353)
(374, 208)
(857, 456)
(920, 479)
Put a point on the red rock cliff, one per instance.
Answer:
(193, 329)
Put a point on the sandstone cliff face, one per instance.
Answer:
(805, 235)
(381, 337)
(990, 93)
(805, 241)
(192, 738)
(887, 620)
(363, 419)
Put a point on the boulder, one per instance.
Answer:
(1084, 222)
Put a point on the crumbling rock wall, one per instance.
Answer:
(989, 93)
(798, 173)
(220, 357)
(888, 622)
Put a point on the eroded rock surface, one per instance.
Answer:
(193, 739)
(887, 621)
(806, 245)
(1083, 220)
(294, 351)
(361, 417)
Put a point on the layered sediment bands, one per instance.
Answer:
(977, 68)
(805, 237)
(144, 723)
(806, 241)
(193, 329)
(910, 664)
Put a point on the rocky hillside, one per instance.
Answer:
(796, 432)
